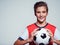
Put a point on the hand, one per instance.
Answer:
(32, 35)
(50, 34)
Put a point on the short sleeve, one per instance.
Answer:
(24, 35)
(56, 35)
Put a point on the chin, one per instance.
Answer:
(40, 21)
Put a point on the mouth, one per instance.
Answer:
(41, 18)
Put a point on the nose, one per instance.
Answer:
(41, 14)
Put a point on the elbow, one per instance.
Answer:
(16, 42)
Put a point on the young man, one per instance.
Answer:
(41, 12)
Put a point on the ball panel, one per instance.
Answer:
(43, 35)
(41, 44)
(34, 38)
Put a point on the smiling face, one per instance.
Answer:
(41, 14)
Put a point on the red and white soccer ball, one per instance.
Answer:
(42, 37)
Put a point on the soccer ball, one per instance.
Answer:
(42, 37)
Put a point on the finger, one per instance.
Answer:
(35, 33)
(50, 33)
(35, 30)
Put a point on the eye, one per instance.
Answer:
(43, 11)
(38, 11)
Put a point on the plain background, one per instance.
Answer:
(15, 15)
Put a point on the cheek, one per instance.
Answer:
(43, 15)
(37, 15)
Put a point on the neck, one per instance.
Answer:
(41, 24)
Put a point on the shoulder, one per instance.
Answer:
(51, 26)
(31, 25)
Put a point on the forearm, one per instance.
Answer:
(18, 42)
(30, 39)
(57, 42)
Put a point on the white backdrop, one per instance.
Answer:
(15, 15)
